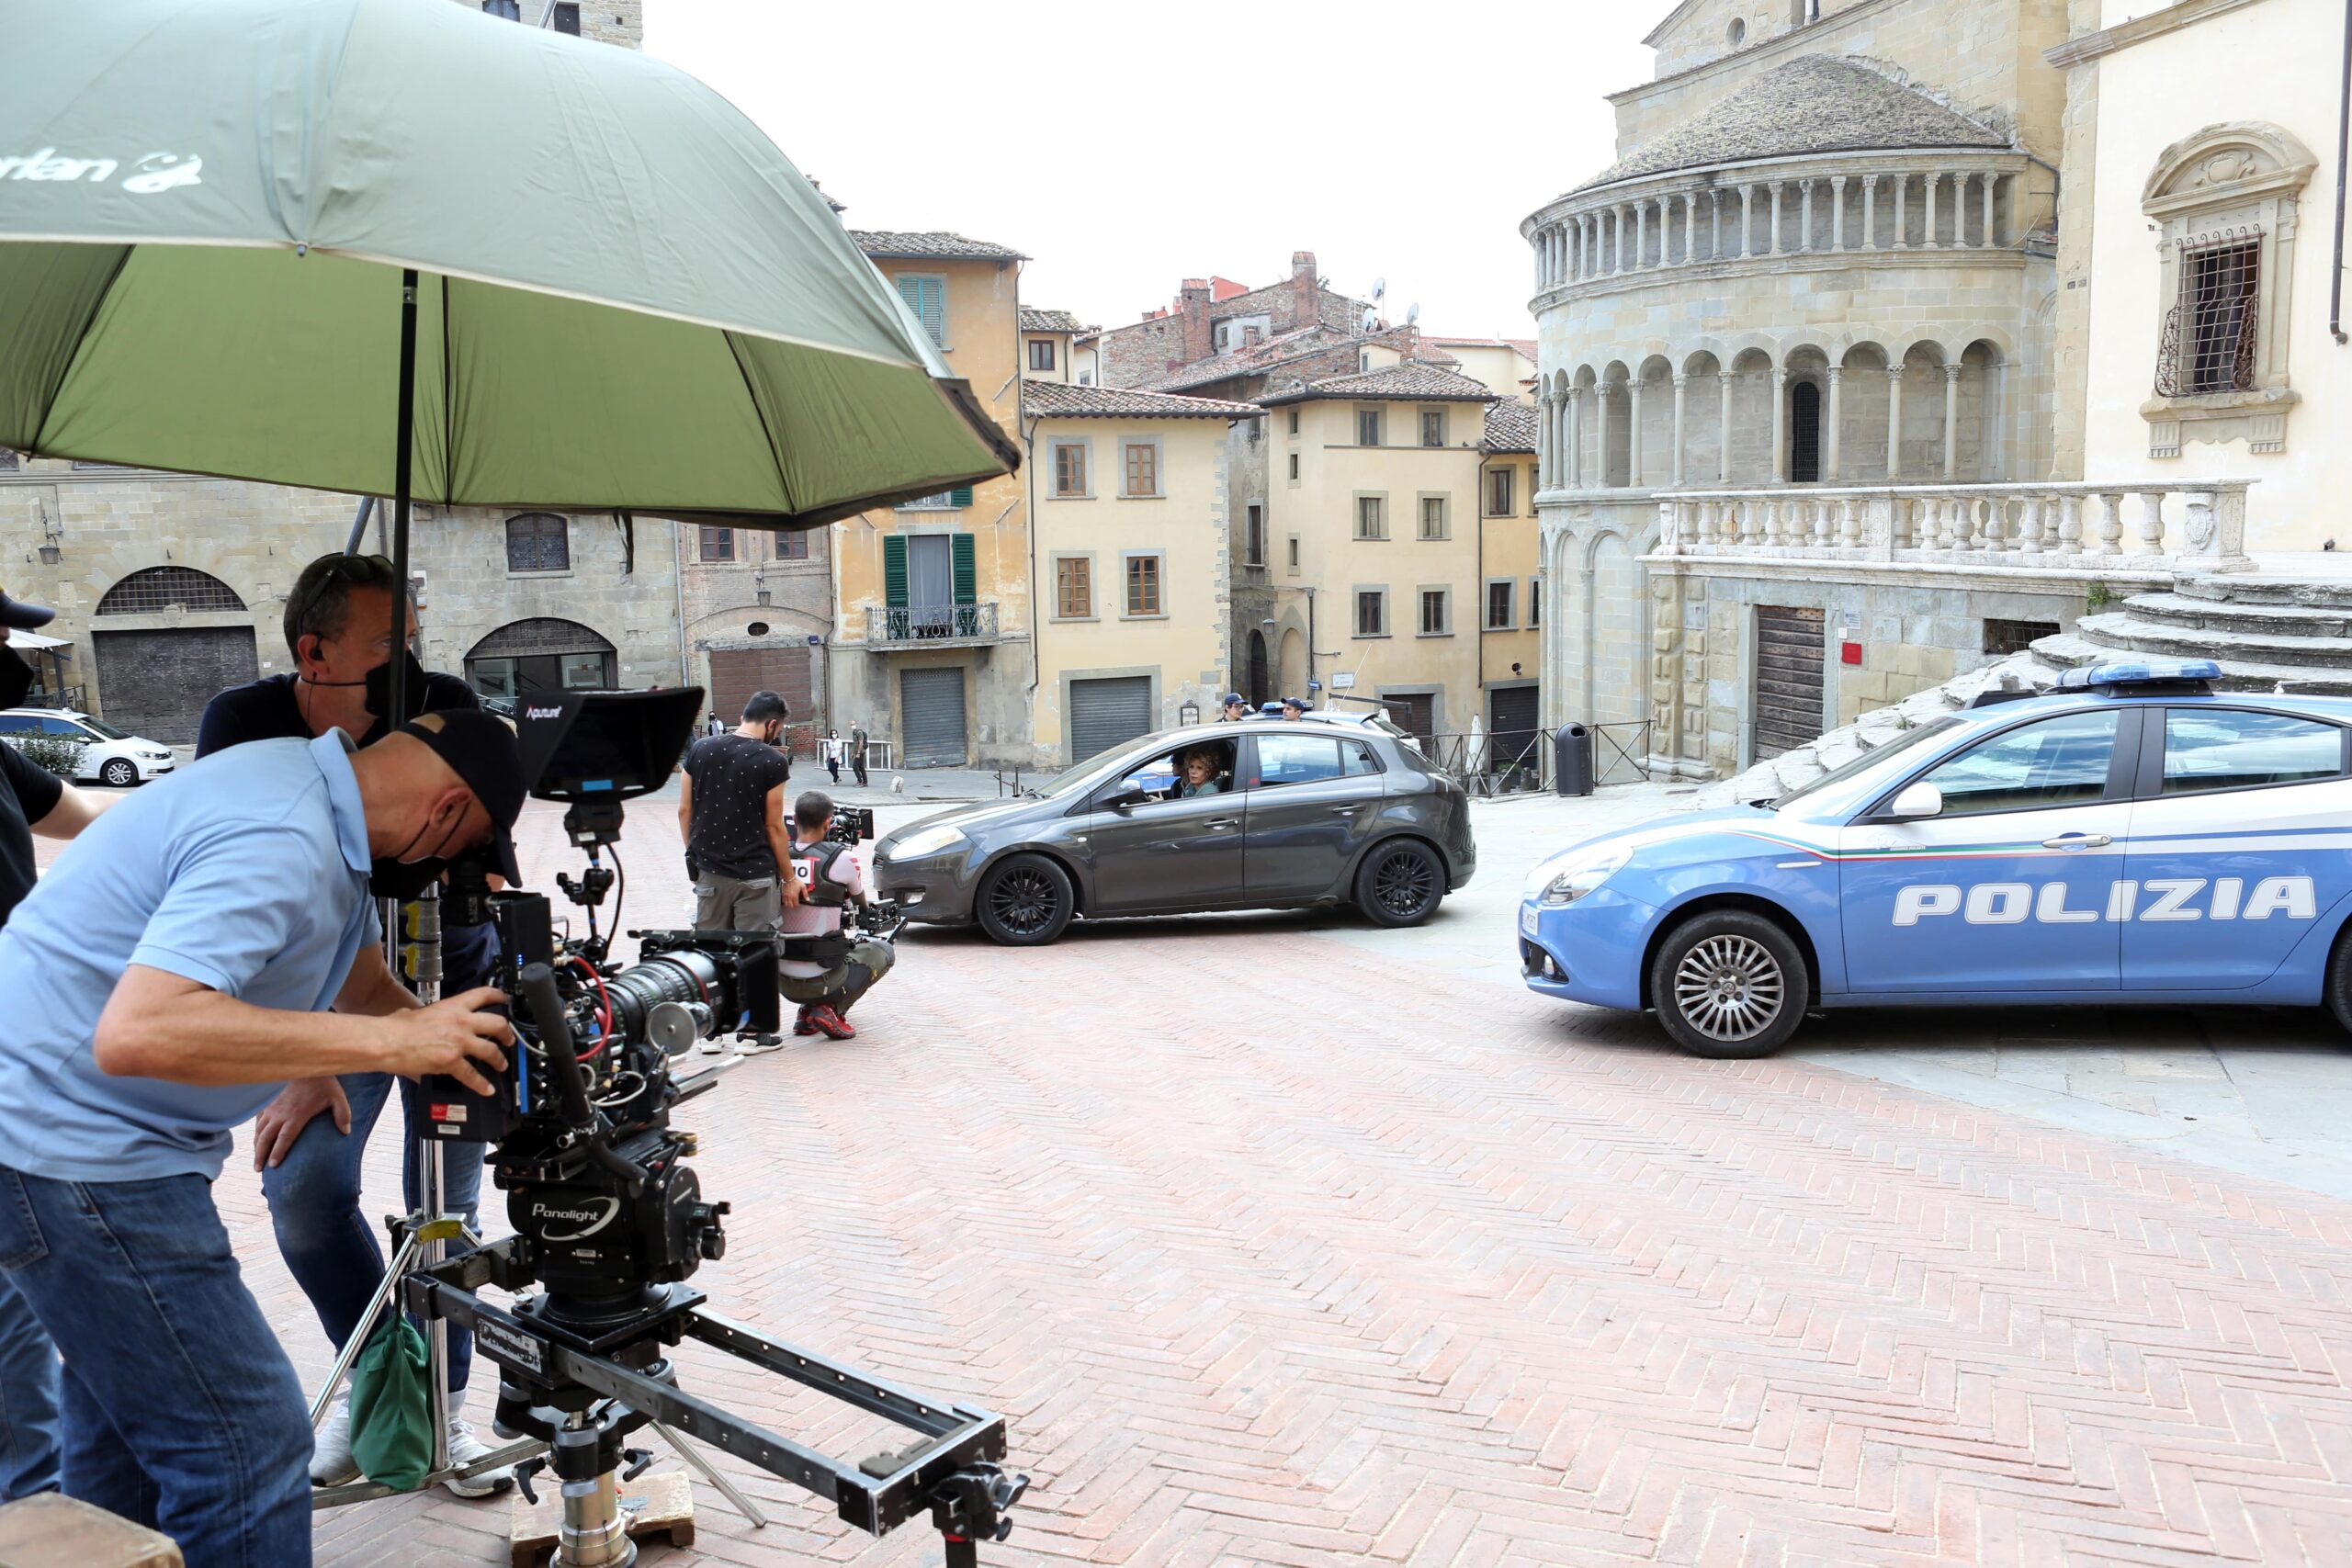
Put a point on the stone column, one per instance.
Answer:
(1772, 240)
(1780, 425)
(1689, 227)
(1870, 212)
(1716, 232)
(1634, 432)
(1679, 380)
(1901, 182)
(1829, 467)
(1894, 421)
(1617, 215)
(1747, 219)
(1601, 434)
(1836, 212)
(1927, 235)
(1990, 181)
(1951, 422)
(1995, 467)
(1546, 462)
(1723, 427)
(1641, 235)
(1804, 216)
(1572, 465)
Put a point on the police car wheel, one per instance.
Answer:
(1026, 902)
(1729, 984)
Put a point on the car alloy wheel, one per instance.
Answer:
(120, 773)
(1404, 882)
(1024, 901)
(1730, 988)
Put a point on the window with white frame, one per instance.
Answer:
(1372, 517)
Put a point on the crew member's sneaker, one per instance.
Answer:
(801, 1024)
(760, 1044)
(331, 1460)
(831, 1024)
(464, 1450)
(714, 1046)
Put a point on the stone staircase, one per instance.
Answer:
(2270, 631)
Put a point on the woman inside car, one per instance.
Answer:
(1198, 768)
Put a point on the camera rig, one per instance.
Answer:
(609, 1218)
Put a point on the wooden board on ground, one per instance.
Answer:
(669, 1510)
(52, 1531)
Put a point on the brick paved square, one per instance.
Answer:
(1383, 1264)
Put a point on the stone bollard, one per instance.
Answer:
(54, 1531)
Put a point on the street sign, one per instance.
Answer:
(1315, 685)
(1345, 681)
(815, 641)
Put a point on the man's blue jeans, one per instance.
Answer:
(28, 1395)
(328, 1245)
(181, 1411)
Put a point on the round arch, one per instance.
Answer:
(543, 654)
(156, 589)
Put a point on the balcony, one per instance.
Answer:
(898, 626)
(2069, 528)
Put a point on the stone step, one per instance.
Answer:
(2066, 649)
(2120, 630)
(2312, 590)
(2232, 616)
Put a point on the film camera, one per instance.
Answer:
(610, 1221)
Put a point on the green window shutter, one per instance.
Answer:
(894, 572)
(960, 496)
(927, 298)
(967, 586)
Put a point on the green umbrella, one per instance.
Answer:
(398, 247)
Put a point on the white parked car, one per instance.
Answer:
(108, 756)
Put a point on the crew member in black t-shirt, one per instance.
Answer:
(32, 801)
(733, 817)
(338, 627)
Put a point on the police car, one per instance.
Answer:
(2133, 836)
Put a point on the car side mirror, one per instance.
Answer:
(1126, 799)
(1921, 799)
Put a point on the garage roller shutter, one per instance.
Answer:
(930, 718)
(1107, 712)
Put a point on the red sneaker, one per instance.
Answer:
(831, 1024)
(801, 1024)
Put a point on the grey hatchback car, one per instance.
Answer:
(1262, 815)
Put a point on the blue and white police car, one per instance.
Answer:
(2131, 836)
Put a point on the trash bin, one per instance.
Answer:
(1572, 760)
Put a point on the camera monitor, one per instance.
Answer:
(605, 746)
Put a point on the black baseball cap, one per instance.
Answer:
(481, 749)
(19, 616)
(1233, 697)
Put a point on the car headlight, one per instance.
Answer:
(925, 842)
(1566, 878)
(157, 756)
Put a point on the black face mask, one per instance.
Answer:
(379, 688)
(402, 880)
(16, 678)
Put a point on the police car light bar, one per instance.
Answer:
(2144, 675)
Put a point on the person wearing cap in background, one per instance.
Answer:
(197, 947)
(1294, 708)
(31, 801)
(309, 1141)
(1234, 708)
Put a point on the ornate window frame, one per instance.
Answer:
(2240, 175)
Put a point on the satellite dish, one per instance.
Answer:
(1371, 321)
(1379, 286)
(1412, 314)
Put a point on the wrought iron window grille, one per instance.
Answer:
(2211, 330)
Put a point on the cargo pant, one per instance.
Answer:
(733, 904)
(839, 988)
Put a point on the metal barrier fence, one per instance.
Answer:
(1521, 761)
(76, 699)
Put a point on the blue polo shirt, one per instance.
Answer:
(247, 873)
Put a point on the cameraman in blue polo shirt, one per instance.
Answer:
(309, 1141)
(31, 801)
(193, 950)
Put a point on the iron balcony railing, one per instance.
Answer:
(915, 624)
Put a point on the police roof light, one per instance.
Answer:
(2144, 675)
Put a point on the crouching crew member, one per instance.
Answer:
(844, 968)
(164, 981)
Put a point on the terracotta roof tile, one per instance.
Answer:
(1059, 400)
(1036, 321)
(1510, 427)
(935, 246)
(1411, 380)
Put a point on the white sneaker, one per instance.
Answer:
(759, 1045)
(464, 1450)
(331, 1460)
(714, 1046)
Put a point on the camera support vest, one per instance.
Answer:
(810, 866)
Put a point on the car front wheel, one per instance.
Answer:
(1729, 984)
(1026, 901)
(122, 773)
(1399, 884)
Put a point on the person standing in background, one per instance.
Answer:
(857, 744)
(731, 813)
(833, 749)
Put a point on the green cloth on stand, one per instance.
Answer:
(392, 1407)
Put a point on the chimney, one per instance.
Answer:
(1303, 305)
(1194, 301)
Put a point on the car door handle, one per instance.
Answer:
(2077, 842)
(1345, 810)
(1223, 822)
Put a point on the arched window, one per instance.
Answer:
(157, 589)
(538, 541)
(1805, 433)
(523, 658)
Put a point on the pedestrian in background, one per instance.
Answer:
(857, 744)
(1236, 708)
(832, 749)
(731, 813)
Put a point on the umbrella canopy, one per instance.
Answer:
(627, 298)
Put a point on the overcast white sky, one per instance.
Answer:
(1125, 144)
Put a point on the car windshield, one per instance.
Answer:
(1076, 777)
(109, 731)
(1870, 759)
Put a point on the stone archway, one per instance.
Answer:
(523, 658)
